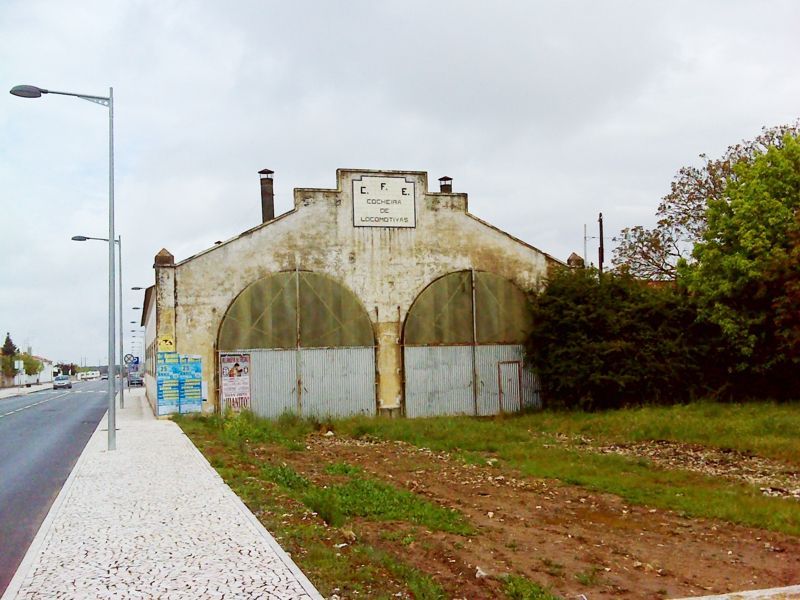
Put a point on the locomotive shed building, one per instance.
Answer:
(377, 297)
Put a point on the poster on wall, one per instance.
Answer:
(235, 381)
(191, 384)
(168, 383)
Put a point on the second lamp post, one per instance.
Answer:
(118, 241)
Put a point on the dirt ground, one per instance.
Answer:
(563, 537)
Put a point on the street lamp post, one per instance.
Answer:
(83, 238)
(31, 91)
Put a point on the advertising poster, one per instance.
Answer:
(168, 370)
(190, 394)
(235, 381)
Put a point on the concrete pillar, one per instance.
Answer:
(165, 302)
(390, 362)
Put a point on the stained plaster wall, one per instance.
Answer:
(385, 267)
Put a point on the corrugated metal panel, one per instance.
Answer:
(510, 379)
(338, 382)
(531, 390)
(438, 381)
(273, 382)
(487, 359)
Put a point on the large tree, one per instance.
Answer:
(744, 272)
(654, 253)
(9, 348)
(8, 352)
(31, 364)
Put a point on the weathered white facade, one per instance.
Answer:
(385, 252)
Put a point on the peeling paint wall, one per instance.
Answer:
(385, 267)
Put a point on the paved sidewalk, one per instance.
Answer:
(9, 392)
(152, 520)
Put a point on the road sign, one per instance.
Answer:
(135, 360)
(128, 359)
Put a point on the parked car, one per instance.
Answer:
(62, 381)
(104, 376)
(135, 380)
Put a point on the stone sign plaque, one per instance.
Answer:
(383, 202)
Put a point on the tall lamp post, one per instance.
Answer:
(31, 91)
(118, 241)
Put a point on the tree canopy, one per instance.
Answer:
(9, 348)
(31, 364)
(745, 267)
(654, 253)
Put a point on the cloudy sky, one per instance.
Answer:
(545, 113)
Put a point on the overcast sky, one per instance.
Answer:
(545, 113)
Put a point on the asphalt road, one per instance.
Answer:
(41, 437)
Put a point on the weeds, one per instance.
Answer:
(588, 577)
(325, 502)
(422, 586)
(284, 476)
(520, 588)
(553, 568)
(340, 468)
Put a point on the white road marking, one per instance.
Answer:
(32, 405)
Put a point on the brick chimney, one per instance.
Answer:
(446, 184)
(267, 196)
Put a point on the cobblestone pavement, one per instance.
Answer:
(152, 520)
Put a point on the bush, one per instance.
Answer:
(617, 341)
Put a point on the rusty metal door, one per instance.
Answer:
(509, 378)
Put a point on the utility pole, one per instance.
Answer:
(585, 256)
(600, 253)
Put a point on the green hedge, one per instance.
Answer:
(616, 341)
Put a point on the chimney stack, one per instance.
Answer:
(267, 196)
(446, 184)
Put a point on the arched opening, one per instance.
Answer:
(309, 342)
(463, 347)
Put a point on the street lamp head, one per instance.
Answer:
(28, 91)
(137, 288)
(79, 238)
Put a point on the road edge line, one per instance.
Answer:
(34, 550)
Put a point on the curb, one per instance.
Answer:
(304, 582)
(782, 593)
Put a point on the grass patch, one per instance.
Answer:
(356, 570)
(359, 496)
(340, 468)
(285, 476)
(521, 588)
(422, 586)
(378, 501)
(365, 497)
(240, 429)
(525, 443)
(765, 429)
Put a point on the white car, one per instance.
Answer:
(62, 381)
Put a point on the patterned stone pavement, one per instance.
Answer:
(152, 520)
